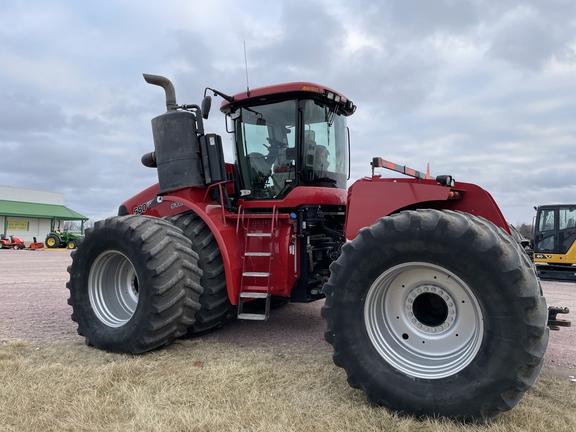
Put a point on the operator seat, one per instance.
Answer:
(321, 161)
(260, 170)
(259, 164)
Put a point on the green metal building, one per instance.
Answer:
(28, 213)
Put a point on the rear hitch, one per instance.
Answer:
(555, 323)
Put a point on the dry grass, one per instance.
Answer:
(197, 385)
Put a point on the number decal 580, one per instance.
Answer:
(140, 209)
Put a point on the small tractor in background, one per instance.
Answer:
(555, 242)
(431, 306)
(11, 242)
(62, 239)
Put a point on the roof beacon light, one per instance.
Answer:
(310, 88)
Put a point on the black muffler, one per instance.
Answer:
(176, 143)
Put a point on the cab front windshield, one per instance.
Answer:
(267, 153)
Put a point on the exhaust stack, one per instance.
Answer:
(176, 153)
(168, 87)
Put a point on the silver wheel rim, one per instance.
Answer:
(423, 320)
(113, 288)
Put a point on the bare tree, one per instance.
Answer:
(526, 230)
(71, 226)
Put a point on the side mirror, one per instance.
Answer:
(205, 107)
(446, 180)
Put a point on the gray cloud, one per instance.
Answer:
(481, 89)
(529, 43)
(421, 18)
(22, 111)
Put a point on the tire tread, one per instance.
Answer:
(486, 239)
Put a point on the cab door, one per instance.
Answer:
(545, 236)
(566, 228)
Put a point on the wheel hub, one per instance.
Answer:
(423, 320)
(430, 309)
(113, 288)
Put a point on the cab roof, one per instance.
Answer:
(300, 89)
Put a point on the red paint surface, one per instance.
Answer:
(371, 198)
(368, 200)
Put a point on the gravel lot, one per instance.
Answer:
(33, 307)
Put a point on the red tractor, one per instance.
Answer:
(431, 306)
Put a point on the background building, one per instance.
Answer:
(28, 213)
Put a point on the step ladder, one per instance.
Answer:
(257, 260)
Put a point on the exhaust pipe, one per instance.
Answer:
(168, 87)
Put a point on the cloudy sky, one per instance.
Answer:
(484, 90)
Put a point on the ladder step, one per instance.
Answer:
(254, 234)
(253, 317)
(260, 289)
(255, 274)
(258, 254)
(253, 295)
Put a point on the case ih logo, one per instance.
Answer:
(541, 256)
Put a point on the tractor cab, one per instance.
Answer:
(289, 135)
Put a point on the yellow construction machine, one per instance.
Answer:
(555, 241)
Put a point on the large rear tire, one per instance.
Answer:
(52, 241)
(216, 308)
(134, 284)
(436, 313)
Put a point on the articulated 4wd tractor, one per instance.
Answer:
(431, 306)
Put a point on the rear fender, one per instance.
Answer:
(225, 235)
(369, 199)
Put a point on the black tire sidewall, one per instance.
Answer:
(385, 248)
(213, 279)
(56, 241)
(121, 338)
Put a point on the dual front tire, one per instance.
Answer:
(215, 307)
(134, 284)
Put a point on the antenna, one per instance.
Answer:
(246, 66)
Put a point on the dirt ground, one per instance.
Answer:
(33, 307)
